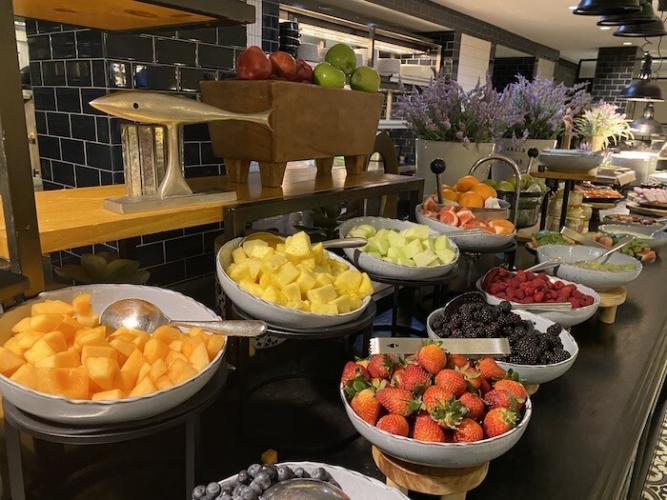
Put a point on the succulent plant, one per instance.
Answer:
(104, 267)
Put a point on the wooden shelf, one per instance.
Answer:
(70, 218)
(564, 176)
(115, 15)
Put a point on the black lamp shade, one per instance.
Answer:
(647, 30)
(644, 16)
(606, 7)
(642, 90)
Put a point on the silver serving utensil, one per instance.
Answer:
(304, 489)
(273, 239)
(470, 347)
(579, 238)
(545, 265)
(142, 315)
(603, 258)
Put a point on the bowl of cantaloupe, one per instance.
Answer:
(400, 249)
(295, 284)
(58, 362)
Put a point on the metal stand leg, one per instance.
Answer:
(569, 185)
(192, 441)
(394, 312)
(14, 461)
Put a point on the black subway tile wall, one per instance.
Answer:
(505, 70)
(614, 70)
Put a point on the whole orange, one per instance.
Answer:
(450, 194)
(466, 183)
(470, 199)
(484, 191)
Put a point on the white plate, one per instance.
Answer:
(449, 455)
(564, 318)
(597, 280)
(472, 243)
(355, 485)
(273, 313)
(532, 374)
(389, 269)
(84, 412)
(642, 233)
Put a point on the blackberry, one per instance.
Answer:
(554, 341)
(527, 349)
(515, 359)
(560, 356)
(485, 316)
(504, 307)
(554, 329)
(490, 332)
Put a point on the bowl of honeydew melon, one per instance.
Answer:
(400, 249)
(293, 285)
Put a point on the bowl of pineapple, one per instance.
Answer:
(294, 284)
(400, 249)
(57, 362)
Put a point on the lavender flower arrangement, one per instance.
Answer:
(446, 112)
(545, 107)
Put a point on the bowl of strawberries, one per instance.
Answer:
(435, 408)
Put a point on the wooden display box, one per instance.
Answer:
(308, 122)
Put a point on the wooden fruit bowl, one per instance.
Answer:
(308, 122)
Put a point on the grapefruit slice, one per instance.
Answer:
(502, 226)
(430, 204)
(448, 217)
(465, 216)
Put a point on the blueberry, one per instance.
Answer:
(239, 489)
(198, 492)
(271, 471)
(243, 477)
(227, 489)
(254, 469)
(224, 497)
(284, 473)
(213, 489)
(299, 472)
(263, 480)
(320, 474)
(254, 486)
(249, 495)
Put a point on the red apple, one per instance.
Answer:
(304, 73)
(252, 64)
(283, 64)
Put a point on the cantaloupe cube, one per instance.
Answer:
(176, 368)
(82, 305)
(123, 347)
(69, 328)
(38, 351)
(22, 325)
(51, 307)
(27, 339)
(91, 321)
(176, 345)
(239, 255)
(163, 383)
(56, 340)
(155, 349)
(108, 395)
(322, 295)
(173, 356)
(66, 359)
(167, 334)
(91, 336)
(199, 357)
(9, 362)
(144, 371)
(145, 386)
(141, 339)
(13, 345)
(45, 322)
(26, 375)
(185, 374)
(130, 370)
(158, 369)
(196, 332)
(98, 351)
(190, 344)
(102, 371)
(214, 344)
(69, 382)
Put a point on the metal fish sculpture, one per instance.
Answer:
(172, 112)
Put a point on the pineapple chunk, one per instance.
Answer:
(82, 306)
(292, 292)
(322, 295)
(51, 307)
(348, 281)
(107, 395)
(265, 280)
(214, 345)
(239, 255)
(155, 349)
(365, 287)
(239, 272)
(102, 371)
(26, 375)
(273, 263)
(251, 288)
(318, 252)
(9, 362)
(261, 253)
(250, 244)
(342, 304)
(254, 268)
(271, 295)
(146, 386)
(298, 245)
(323, 279)
(307, 264)
(306, 280)
(318, 308)
(286, 274)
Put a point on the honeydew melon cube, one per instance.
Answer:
(9, 362)
(239, 255)
(306, 281)
(396, 240)
(445, 255)
(395, 254)
(377, 245)
(298, 245)
(442, 243)
(365, 286)
(261, 253)
(404, 261)
(348, 281)
(383, 234)
(107, 395)
(430, 244)
(249, 245)
(342, 304)
(390, 259)
(292, 292)
(419, 232)
(287, 273)
(26, 375)
(322, 295)
(412, 248)
(425, 258)
(328, 309)
(374, 254)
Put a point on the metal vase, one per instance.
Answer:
(144, 158)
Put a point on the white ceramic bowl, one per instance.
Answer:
(389, 269)
(448, 455)
(570, 160)
(597, 280)
(564, 318)
(658, 240)
(355, 485)
(532, 374)
(472, 243)
(273, 313)
(84, 412)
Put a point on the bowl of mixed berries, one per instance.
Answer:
(435, 408)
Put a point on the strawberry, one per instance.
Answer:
(414, 379)
(499, 421)
(473, 404)
(352, 370)
(468, 431)
(513, 387)
(432, 358)
(456, 361)
(435, 395)
(449, 414)
(489, 369)
(397, 377)
(366, 405)
(451, 380)
(381, 366)
(426, 429)
(394, 424)
(500, 398)
(473, 377)
(399, 401)
(485, 386)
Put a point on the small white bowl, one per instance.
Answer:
(532, 374)
(86, 412)
(381, 267)
(472, 243)
(273, 313)
(564, 318)
(447, 455)
(597, 280)
(642, 233)
(570, 160)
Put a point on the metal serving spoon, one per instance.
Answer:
(273, 239)
(603, 258)
(142, 315)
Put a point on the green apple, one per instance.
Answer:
(366, 79)
(342, 56)
(327, 75)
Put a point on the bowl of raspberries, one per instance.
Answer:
(435, 408)
(525, 287)
(541, 350)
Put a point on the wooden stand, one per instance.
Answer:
(448, 484)
(532, 388)
(609, 302)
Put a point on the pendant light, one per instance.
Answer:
(646, 30)
(606, 7)
(645, 15)
(643, 89)
(646, 126)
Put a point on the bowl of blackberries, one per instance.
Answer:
(541, 350)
